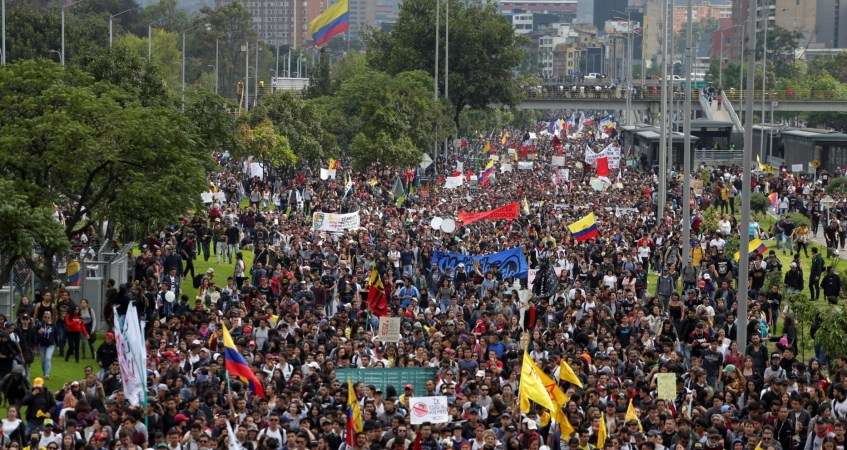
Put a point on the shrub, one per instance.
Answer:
(799, 219)
(837, 186)
(759, 202)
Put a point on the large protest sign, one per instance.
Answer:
(395, 376)
(510, 263)
(429, 409)
(666, 386)
(453, 182)
(335, 223)
(389, 329)
(612, 152)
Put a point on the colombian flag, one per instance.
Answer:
(237, 367)
(74, 273)
(585, 228)
(355, 423)
(330, 23)
(755, 247)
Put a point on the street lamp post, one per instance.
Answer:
(111, 17)
(764, 76)
(744, 260)
(686, 128)
(64, 6)
(3, 31)
(208, 27)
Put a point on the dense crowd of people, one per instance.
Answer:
(621, 310)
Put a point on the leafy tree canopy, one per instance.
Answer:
(483, 50)
(94, 150)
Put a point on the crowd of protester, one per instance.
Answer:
(619, 309)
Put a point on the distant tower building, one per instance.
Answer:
(585, 11)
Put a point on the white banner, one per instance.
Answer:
(256, 170)
(524, 165)
(426, 161)
(453, 182)
(505, 167)
(429, 409)
(611, 151)
(558, 161)
(132, 355)
(460, 166)
(389, 329)
(797, 167)
(327, 174)
(335, 223)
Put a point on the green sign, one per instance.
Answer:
(382, 378)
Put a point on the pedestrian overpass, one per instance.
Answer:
(648, 103)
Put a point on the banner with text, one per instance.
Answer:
(510, 263)
(335, 223)
(611, 151)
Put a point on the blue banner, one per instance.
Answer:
(510, 263)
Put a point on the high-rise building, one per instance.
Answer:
(607, 10)
(362, 17)
(274, 20)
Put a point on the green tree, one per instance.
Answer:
(166, 55)
(266, 144)
(484, 50)
(85, 145)
(24, 227)
(126, 68)
(212, 121)
(396, 114)
(300, 122)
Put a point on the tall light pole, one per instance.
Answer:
(184, 52)
(663, 143)
(111, 18)
(766, 5)
(65, 5)
(446, 60)
(435, 85)
(246, 76)
(744, 261)
(3, 31)
(217, 60)
(671, 83)
(686, 158)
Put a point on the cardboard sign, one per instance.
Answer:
(428, 409)
(666, 386)
(389, 329)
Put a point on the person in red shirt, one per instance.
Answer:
(74, 329)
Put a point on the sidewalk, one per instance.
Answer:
(819, 239)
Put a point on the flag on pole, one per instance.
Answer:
(631, 414)
(585, 228)
(755, 247)
(377, 295)
(531, 387)
(601, 432)
(567, 374)
(333, 21)
(132, 355)
(355, 424)
(237, 366)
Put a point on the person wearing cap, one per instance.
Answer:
(39, 404)
(48, 435)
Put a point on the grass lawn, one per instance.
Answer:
(64, 372)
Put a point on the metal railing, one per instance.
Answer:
(787, 95)
(590, 93)
(717, 157)
(654, 95)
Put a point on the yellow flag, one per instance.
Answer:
(489, 164)
(372, 182)
(758, 446)
(565, 426)
(567, 374)
(632, 415)
(601, 432)
(556, 394)
(353, 403)
(532, 388)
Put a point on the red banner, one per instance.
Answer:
(506, 212)
(602, 166)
